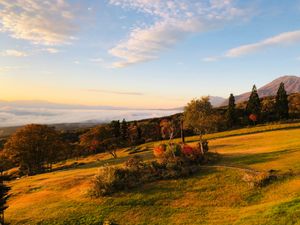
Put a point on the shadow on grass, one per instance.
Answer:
(98, 163)
(248, 159)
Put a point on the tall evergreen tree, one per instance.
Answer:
(139, 132)
(231, 112)
(124, 130)
(282, 103)
(254, 105)
(3, 198)
(116, 128)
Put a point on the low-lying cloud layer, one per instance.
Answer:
(14, 115)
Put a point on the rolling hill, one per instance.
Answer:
(217, 194)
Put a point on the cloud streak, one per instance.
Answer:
(116, 92)
(40, 22)
(173, 22)
(286, 38)
(14, 53)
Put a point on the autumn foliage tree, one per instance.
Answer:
(34, 148)
(100, 139)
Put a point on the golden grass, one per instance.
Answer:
(213, 196)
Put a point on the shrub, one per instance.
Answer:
(103, 182)
(185, 152)
(159, 150)
(135, 163)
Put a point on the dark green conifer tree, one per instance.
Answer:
(282, 103)
(253, 105)
(124, 130)
(116, 128)
(231, 112)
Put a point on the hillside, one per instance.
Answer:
(218, 194)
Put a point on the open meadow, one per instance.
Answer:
(217, 194)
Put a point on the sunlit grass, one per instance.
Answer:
(213, 196)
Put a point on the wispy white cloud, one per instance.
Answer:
(40, 22)
(280, 39)
(97, 60)
(173, 21)
(14, 53)
(51, 50)
(210, 59)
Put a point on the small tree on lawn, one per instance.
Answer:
(201, 117)
(253, 118)
(282, 103)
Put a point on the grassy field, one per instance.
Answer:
(215, 195)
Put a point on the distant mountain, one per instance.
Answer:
(291, 83)
(216, 101)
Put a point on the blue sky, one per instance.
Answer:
(143, 53)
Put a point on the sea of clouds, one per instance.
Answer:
(20, 114)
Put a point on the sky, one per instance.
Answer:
(143, 53)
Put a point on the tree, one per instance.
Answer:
(253, 118)
(100, 139)
(200, 116)
(34, 147)
(116, 128)
(135, 133)
(151, 131)
(231, 112)
(3, 198)
(282, 103)
(124, 131)
(254, 105)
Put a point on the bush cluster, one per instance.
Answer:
(183, 152)
(174, 161)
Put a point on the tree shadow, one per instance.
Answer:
(248, 159)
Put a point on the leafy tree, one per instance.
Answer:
(34, 147)
(282, 103)
(3, 198)
(231, 112)
(100, 139)
(150, 131)
(135, 133)
(253, 118)
(254, 105)
(200, 116)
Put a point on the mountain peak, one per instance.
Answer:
(291, 83)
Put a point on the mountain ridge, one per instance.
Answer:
(291, 83)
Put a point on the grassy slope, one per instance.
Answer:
(213, 196)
